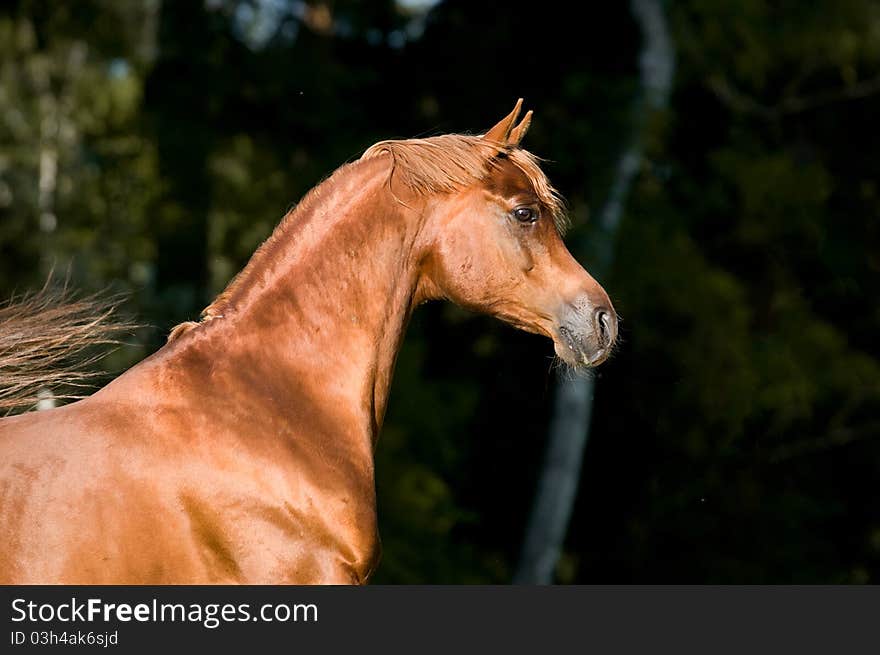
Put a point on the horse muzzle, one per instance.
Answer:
(586, 334)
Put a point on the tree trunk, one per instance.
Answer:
(570, 424)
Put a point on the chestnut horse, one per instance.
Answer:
(242, 451)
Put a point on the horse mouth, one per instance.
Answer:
(576, 351)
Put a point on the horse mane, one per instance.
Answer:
(218, 307)
(433, 165)
(46, 339)
(450, 162)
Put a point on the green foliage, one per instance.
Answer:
(417, 455)
(754, 381)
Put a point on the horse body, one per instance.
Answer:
(147, 492)
(242, 451)
(253, 433)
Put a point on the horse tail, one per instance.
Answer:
(49, 343)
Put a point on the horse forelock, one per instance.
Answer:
(451, 162)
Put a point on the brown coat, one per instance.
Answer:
(242, 451)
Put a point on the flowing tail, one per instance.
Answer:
(48, 343)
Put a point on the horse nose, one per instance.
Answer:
(605, 321)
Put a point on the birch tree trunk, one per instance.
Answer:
(573, 403)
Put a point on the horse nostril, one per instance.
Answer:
(606, 324)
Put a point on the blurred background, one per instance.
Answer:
(150, 147)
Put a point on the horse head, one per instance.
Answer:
(495, 246)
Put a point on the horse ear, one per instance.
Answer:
(501, 131)
(517, 133)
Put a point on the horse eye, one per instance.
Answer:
(525, 214)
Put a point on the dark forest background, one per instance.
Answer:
(149, 147)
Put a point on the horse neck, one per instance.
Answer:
(323, 312)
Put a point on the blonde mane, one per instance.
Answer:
(433, 165)
(450, 162)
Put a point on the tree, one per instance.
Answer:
(572, 412)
